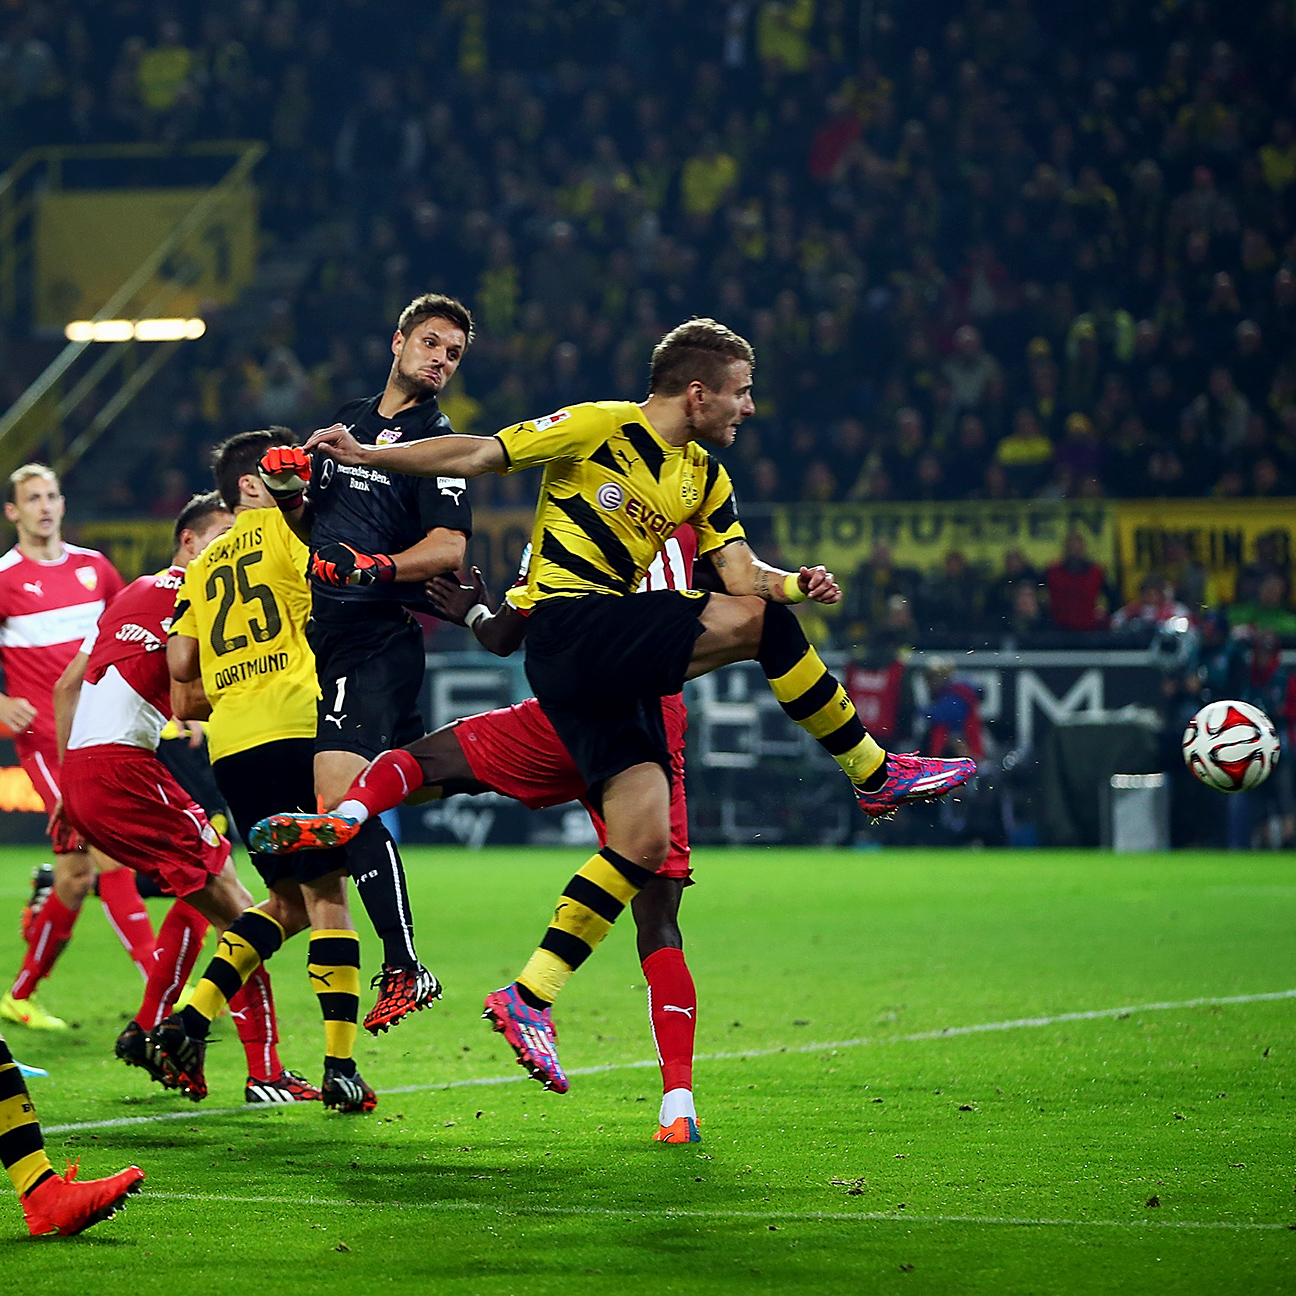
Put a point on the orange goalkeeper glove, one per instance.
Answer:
(339, 564)
(286, 472)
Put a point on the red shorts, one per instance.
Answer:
(42, 768)
(125, 802)
(515, 752)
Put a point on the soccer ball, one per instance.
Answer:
(1231, 746)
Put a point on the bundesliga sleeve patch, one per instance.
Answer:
(549, 420)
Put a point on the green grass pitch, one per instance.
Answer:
(910, 1157)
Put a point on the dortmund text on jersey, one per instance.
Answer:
(246, 601)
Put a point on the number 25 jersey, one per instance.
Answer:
(246, 601)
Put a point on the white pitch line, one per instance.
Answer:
(672, 1213)
(945, 1032)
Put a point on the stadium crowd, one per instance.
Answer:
(983, 251)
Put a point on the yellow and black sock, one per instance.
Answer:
(22, 1150)
(249, 940)
(333, 964)
(591, 902)
(814, 698)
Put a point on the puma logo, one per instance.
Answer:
(34, 587)
(226, 944)
(337, 720)
(687, 1012)
(315, 976)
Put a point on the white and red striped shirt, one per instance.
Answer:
(126, 695)
(46, 611)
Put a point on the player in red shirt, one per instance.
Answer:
(515, 751)
(51, 595)
(125, 802)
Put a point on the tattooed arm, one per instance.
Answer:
(741, 572)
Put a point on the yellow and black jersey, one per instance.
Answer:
(612, 494)
(246, 600)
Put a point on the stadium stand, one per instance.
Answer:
(984, 252)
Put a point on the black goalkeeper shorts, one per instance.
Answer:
(270, 779)
(600, 666)
(369, 661)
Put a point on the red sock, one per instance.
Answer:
(49, 934)
(386, 781)
(254, 1018)
(179, 942)
(672, 1010)
(127, 916)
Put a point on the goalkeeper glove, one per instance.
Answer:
(339, 564)
(286, 471)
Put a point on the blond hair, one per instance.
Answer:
(699, 350)
(26, 473)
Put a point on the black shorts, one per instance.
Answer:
(275, 777)
(370, 667)
(600, 666)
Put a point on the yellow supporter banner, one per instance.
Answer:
(843, 536)
(1158, 536)
(90, 242)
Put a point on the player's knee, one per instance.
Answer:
(229, 894)
(749, 621)
(652, 850)
(288, 911)
(74, 867)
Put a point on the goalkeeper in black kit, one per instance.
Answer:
(375, 537)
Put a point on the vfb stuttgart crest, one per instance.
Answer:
(88, 577)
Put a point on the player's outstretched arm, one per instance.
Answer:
(443, 456)
(500, 632)
(742, 572)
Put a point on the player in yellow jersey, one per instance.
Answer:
(240, 627)
(51, 1202)
(619, 478)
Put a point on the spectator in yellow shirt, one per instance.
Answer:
(1278, 157)
(164, 71)
(1025, 453)
(709, 177)
(783, 33)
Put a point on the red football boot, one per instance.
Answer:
(62, 1206)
